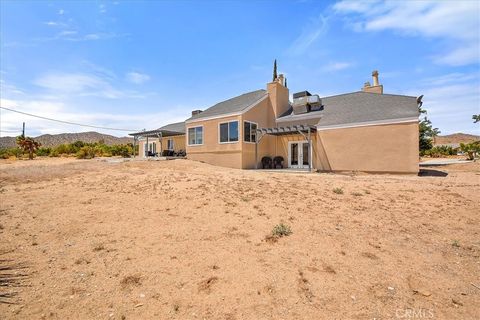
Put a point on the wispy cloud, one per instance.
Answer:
(336, 66)
(310, 34)
(455, 22)
(451, 100)
(137, 77)
(82, 84)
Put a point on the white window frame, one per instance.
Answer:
(238, 129)
(173, 145)
(203, 136)
(244, 135)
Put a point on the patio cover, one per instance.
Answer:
(304, 130)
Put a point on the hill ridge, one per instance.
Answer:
(52, 140)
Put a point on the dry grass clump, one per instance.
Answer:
(338, 190)
(281, 230)
(206, 284)
(131, 280)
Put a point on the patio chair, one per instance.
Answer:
(266, 163)
(278, 162)
(181, 153)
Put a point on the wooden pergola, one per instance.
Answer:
(304, 130)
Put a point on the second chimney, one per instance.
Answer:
(376, 87)
(195, 112)
(375, 78)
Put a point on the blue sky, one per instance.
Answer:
(145, 64)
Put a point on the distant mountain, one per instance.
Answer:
(51, 140)
(456, 138)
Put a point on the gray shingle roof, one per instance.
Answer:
(235, 104)
(175, 127)
(357, 107)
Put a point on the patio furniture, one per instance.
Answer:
(278, 162)
(167, 153)
(181, 153)
(266, 163)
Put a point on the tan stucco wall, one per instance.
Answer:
(378, 148)
(229, 159)
(263, 115)
(212, 151)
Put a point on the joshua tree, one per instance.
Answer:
(274, 70)
(476, 118)
(28, 145)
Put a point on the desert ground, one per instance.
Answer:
(93, 239)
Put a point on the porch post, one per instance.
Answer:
(161, 143)
(309, 150)
(256, 150)
(134, 144)
(145, 152)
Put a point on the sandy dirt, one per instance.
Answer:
(185, 240)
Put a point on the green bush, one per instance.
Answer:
(43, 151)
(281, 230)
(6, 153)
(86, 152)
(54, 153)
(440, 151)
(470, 149)
(122, 150)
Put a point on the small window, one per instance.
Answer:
(228, 131)
(195, 136)
(170, 144)
(249, 131)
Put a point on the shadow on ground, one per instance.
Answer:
(432, 173)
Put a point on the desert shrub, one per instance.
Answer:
(65, 149)
(78, 144)
(6, 153)
(281, 230)
(122, 150)
(43, 151)
(338, 190)
(86, 152)
(440, 151)
(54, 153)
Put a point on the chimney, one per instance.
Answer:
(278, 95)
(195, 112)
(376, 87)
(281, 79)
(375, 78)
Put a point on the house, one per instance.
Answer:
(359, 131)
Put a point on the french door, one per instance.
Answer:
(298, 154)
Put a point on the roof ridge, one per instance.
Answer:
(243, 94)
(371, 93)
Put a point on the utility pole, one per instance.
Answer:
(23, 130)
